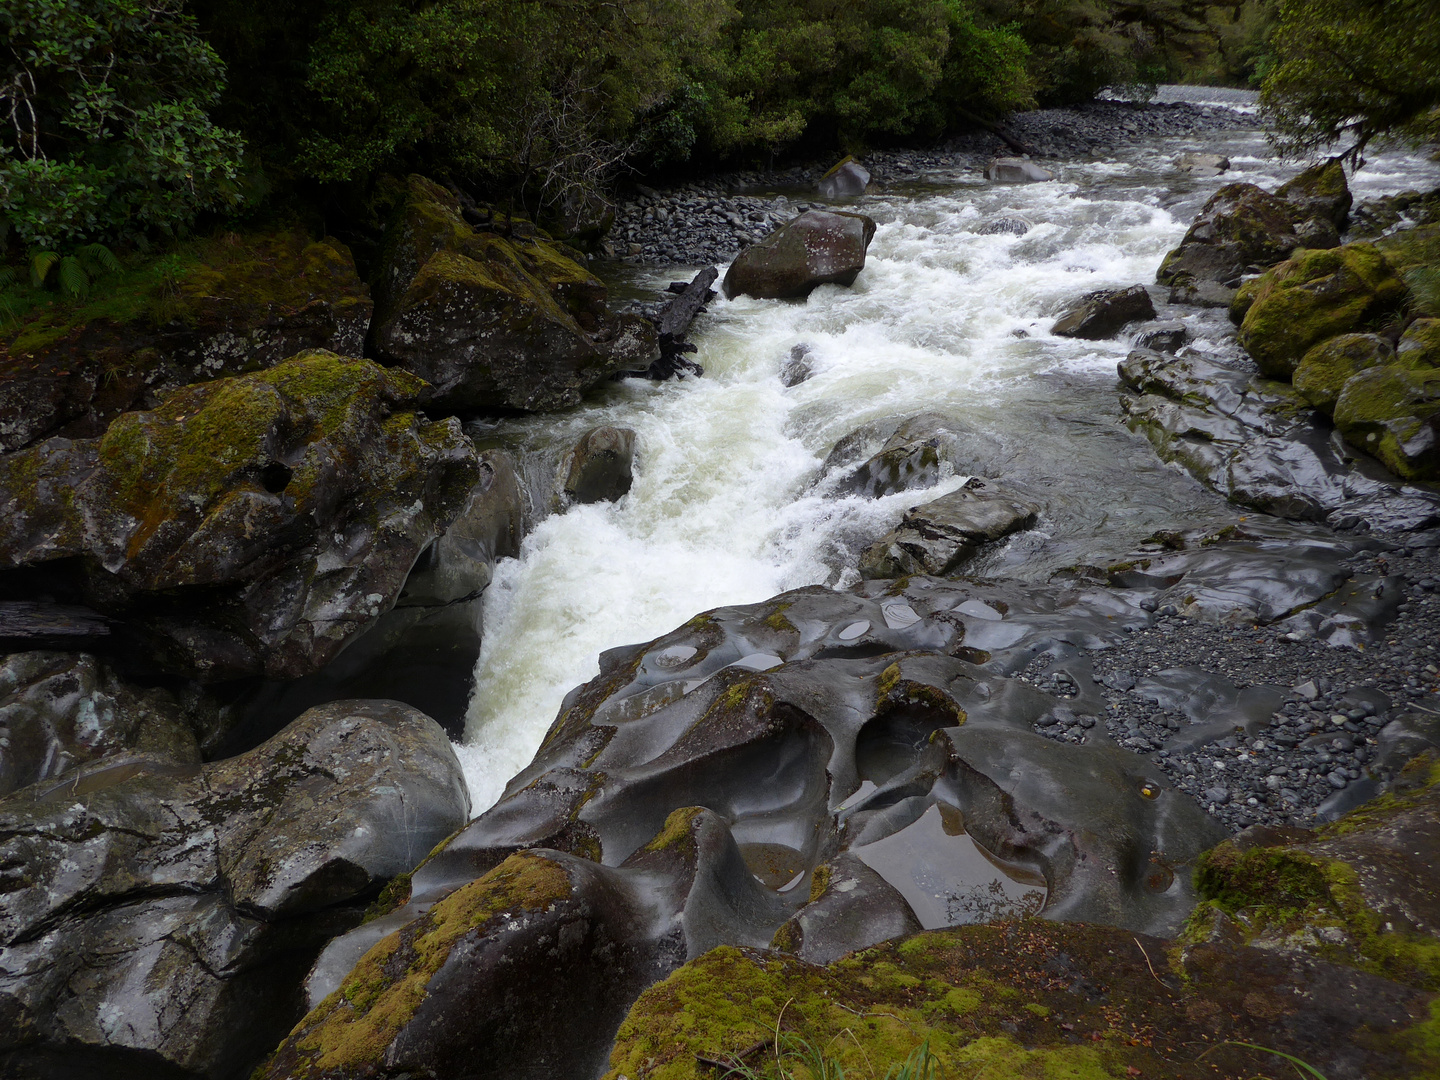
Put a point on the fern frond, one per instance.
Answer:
(7, 276)
(41, 263)
(98, 259)
(74, 282)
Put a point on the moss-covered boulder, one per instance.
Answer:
(494, 322)
(247, 525)
(1325, 369)
(1393, 412)
(169, 912)
(1240, 229)
(225, 306)
(1411, 249)
(1319, 192)
(1313, 296)
(1419, 345)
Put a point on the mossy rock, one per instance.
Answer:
(494, 322)
(1241, 228)
(1393, 412)
(1316, 295)
(224, 306)
(1409, 249)
(1015, 1000)
(260, 522)
(1419, 346)
(1328, 366)
(1320, 191)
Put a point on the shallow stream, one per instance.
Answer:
(729, 505)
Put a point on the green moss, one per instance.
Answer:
(1325, 369)
(352, 1027)
(1315, 295)
(1407, 249)
(1382, 411)
(820, 882)
(676, 829)
(395, 894)
(777, 621)
(889, 679)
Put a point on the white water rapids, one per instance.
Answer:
(942, 318)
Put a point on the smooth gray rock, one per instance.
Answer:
(1101, 314)
(846, 180)
(1197, 164)
(817, 248)
(937, 537)
(59, 710)
(1014, 170)
(1165, 337)
(171, 909)
(1013, 224)
(600, 468)
(798, 366)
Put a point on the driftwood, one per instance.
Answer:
(672, 321)
(995, 129)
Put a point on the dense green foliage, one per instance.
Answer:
(1349, 70)
(106, 129)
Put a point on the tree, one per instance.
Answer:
(1352, 70)
(106, 132)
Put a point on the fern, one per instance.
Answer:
(41, 263)
(7, 276)
(98, 260)
(1424, 282)
(71, 277)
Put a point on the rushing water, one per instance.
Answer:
(724, 508)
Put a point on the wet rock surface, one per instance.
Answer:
(248, 303)
(1101, 314)
(169, 910)
(817, 248)
(248, 525)
(937, 537)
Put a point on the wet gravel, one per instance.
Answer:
(1335, 723)
(706, 222)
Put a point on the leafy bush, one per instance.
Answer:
(107, 131)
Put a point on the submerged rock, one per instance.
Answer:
(1012, 224)
(937, 537)
(1014, 170)
(914, 453)
(1166, 337)
(1101, 314)
(817, 248)
(242, 303)
(248, 525)
(171, 910)
(494, 322)
(1198, 164)
(600, 467)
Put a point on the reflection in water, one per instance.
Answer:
(947, 878)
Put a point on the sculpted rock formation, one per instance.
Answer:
(248, 525)
(939, 536)
(237, 304)
(1101, 314)
(169, 911)
(494, 322)
(817, 248)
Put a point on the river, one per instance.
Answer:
(728, 504)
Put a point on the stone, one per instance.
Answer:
(1325, 369)
(1240, 229)
(1014, 170)
(1004, 224)
(171, 911)
(918, 453)
(1101, 314)
(1419, 345)
(62, 710)
(1313, 296)
(847, 179)
(1198, 164)
(495, 322)
(1319, 192)
(600, 467)
(244, 304)
(1393, 413)
(937, 537)
(249, 525)
(1165, 337)
(799, 366)
(817, 248)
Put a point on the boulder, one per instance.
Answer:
(1393, 412)
(171, 911)
(1325, 369)
(846, 180)
(798, 366)
(1165, 337)
(233, 305)
(1320, 192)
(1014, 170)
(1101, 314)
(1419, 345)
(817, 248)
(1313, 296)
(939, 536)
(600, 468)
(1239, 230)
(917, 453)
(494, 322)
(248, 525)
(1008, 224)
(1203, 164)
(63, 710)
